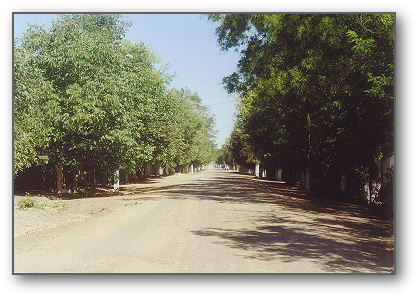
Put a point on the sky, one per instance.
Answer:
(188, 44)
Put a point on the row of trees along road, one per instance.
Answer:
(88, 102)
(316, 98)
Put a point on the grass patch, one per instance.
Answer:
(26, 202)
(38, 202)
(58, 205)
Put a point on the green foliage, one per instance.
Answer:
(337, 69)
(35, 110)
(90, 100)
(38, 202)
(26, 202)
(224, 156)
(32, 202)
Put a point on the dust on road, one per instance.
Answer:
(214, 221)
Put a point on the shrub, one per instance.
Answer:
(26, 202)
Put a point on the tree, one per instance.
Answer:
(35, 111)
(316, 90)
(102, 104)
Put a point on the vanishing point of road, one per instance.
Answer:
(213, 221)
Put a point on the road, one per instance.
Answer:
(214, 221)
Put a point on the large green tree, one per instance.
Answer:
(316, 90)
(88, 100)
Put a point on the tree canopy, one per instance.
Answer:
(316, 91)
(88, 99)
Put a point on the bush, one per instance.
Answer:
(26, 202)
(32, 202)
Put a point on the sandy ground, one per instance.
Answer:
(214, 221)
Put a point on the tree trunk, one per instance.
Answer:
(94, 178)
(166, 170)
(156, 170)
(147, 170)
(126, 178)
(343, 183)
(60, 177)
(308, 149)
(308, 180)
(279, 172)
(76, 180)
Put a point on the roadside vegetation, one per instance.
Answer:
(316, 101)
(38, 202)
(90, 106)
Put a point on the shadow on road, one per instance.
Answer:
(348, 254)
(336, 235)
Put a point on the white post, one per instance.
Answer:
(367, 191)
(191, 168)
(116, 181)
(257, 170)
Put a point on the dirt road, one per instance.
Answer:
(211, 221)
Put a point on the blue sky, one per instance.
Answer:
(188, 43)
